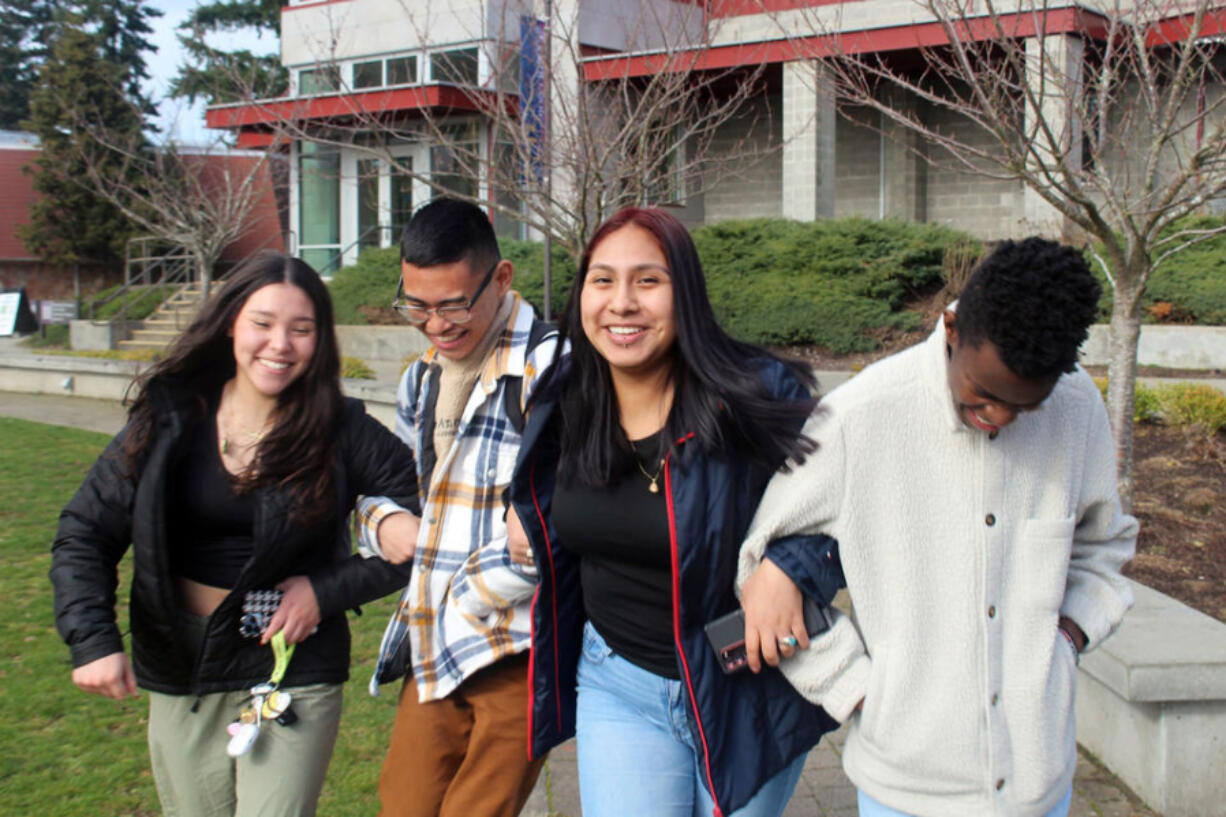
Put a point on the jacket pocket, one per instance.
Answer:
(1041, 723)
(1042, 563)
(874, 711)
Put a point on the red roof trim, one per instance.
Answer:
(340, 105)
(1178, 29)
(892, 38)
(284, 9)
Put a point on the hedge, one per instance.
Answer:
(830, 283)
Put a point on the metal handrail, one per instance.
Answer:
(334, 262)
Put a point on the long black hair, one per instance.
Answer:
(299, 450)
(718, 394)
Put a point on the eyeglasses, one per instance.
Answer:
(418, 315)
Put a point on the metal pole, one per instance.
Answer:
(547, 155)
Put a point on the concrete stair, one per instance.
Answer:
(175, 314)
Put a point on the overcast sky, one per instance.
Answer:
(176, 119)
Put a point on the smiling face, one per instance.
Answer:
(274, 338)
(987, 395)
(626, 305)
(454, 284)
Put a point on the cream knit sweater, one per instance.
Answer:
(960, 553)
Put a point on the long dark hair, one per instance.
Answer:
(718, 394)
(299, 450)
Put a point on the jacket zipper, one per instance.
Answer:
(553, 578)
(676, 587)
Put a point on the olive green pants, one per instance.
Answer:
(281, 776)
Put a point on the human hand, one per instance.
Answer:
(1074, 632)
(397, 535)
(517, 540)
(774, 616)
(110, 676)
(298, 614)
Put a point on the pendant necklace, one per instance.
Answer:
(653, 481)
(248, 438)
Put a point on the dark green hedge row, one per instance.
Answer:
(829, 283)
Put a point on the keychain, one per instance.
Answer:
(268, 702)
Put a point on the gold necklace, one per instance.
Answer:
(653, 482)
(250, 438)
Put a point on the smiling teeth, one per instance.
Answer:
(624, 330)
(273, 364)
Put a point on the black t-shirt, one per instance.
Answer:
(210, 526)
(620, 534)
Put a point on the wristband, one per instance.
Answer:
(1069, 638)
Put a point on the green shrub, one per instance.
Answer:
(1193, 404)
(1189, 287)
(137, 303)
(828, 283)
(55, 334)
(369, 282)
(1146, 405)
(372, 280)
(356, 368)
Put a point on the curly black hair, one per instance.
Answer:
(1034, 300)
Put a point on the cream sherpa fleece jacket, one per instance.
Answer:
(961, 552)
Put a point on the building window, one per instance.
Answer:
(451, 162)
(319, 197)
(322, 80)
(402, 71)
(368, 203)
(401, 184)
(457, 67)
(666, 183)
(368, 74)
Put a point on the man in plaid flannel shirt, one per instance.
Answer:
(463, 625)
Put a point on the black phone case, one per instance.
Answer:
(727, 633)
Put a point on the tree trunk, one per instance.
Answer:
(206, 276)
(1121, 382)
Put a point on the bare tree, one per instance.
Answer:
(594, 134)
(201, 199)
(1110, 112)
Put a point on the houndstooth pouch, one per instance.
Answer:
(258, 607)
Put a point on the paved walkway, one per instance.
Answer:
(824, 790)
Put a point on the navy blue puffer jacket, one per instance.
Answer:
(749, 726)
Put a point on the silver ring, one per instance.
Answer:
(788, 641)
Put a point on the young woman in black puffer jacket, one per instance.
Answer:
(235, 473)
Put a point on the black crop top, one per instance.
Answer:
(621, 536)
(210, 527)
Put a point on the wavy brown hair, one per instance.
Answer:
(298, 453)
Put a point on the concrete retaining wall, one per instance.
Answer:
(1172, 347)
(1151, 705)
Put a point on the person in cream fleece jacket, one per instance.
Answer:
(970, 481)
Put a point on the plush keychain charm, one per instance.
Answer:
(268, 702)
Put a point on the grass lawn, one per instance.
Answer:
(67, 753)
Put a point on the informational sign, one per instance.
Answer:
(56, 311)
(15, 315)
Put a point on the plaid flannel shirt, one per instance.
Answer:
(467, 605)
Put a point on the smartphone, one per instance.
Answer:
(727, 633)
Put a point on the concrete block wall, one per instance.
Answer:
(983, 207)
(858, 169)
(754, 193)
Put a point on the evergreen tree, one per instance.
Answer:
(122, 27)
(25, 28)
(76, 86)
(218, 76)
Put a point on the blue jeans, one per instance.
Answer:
(636, 753)
(871, 808)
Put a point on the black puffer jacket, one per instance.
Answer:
(113, 508)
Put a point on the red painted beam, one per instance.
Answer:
(893, 38)
(333, 106)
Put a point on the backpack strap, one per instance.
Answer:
(513, 390)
